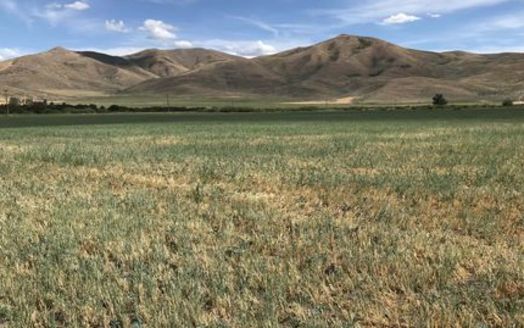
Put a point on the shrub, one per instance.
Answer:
(439, 100)
(507, 102)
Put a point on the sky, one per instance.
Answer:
(256, 27)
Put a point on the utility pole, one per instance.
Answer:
(167, 103)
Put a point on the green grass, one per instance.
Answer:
(320, 219)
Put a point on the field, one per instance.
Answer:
(319, 219)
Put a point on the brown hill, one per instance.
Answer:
(363, 67)
(168, 63)
(63, 72)
(236, 77)
(346, 66)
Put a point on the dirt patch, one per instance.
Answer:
(339, 101)
(74, 93)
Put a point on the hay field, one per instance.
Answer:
(383, 219)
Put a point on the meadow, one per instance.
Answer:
(305, 219)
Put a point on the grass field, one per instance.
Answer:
(335, 219)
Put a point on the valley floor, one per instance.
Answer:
(322, 219)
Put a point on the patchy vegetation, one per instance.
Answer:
(439, 100)
(507, 102)
(310, 106)
(373, 219)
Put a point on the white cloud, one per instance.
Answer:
(375, 10)
(497, 50)
(432, 15)
(114, 25)
(7, 53)
(159, 30)
(77, 5)
(55, 13)
(400, 18)
(240, 48)
(260, 48)
(183, 44)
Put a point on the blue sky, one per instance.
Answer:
(250, 28)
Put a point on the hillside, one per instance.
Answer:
(369, 69)
(168, 63)
(66, 73)
(241, 76)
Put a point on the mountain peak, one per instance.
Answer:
(346, 36)
(355, 38)
(59, 50)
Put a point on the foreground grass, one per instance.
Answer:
(249, 220)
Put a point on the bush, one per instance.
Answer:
(439, 100)
(507, 102)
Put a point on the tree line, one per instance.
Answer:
(439, 100)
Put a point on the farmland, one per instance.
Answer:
(303, 219)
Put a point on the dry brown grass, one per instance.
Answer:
(263, 224)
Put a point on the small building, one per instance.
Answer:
(519, 102)
(22, 101)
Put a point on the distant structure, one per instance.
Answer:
(520, 101)
(14, 101)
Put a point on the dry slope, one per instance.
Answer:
(63, 72)
(369, 69)
(364, 67)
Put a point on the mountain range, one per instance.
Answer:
(364, 68)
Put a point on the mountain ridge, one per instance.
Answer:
(368, 68)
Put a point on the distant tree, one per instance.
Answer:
(507, 103)
(39, 107)
(439, 100)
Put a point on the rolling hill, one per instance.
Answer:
(168, 63)
(370, 69)
(60, 72)
(64, 73)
